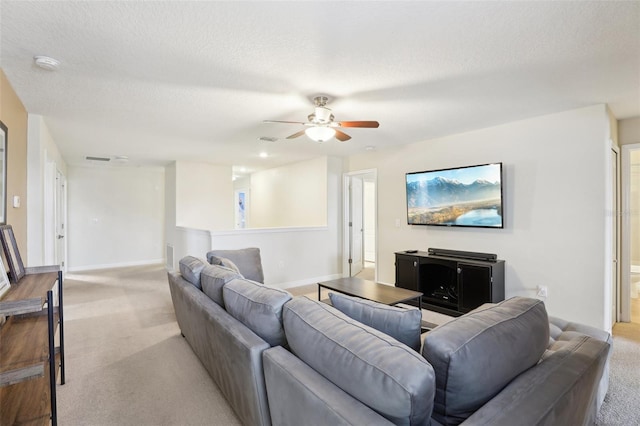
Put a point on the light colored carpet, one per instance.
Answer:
(622, 404)
(126, 362)
(128, 365)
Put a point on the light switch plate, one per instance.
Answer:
(16, 201)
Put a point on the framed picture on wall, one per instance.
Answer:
(11, 253)
(3, 173)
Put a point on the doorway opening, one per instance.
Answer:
(630, 265)
(55, 216)
(360, 224)
(241, 203)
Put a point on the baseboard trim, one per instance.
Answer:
(116, 265)
(307, 281)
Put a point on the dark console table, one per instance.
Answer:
(452, 282)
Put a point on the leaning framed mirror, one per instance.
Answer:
(11, 253)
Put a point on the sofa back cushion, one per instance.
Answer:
(478, 354)
(372, 367)
(258, 307)
(190, 269)
(401, 324)
(213, 278)
(247, 260)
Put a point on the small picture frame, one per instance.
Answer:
(4, 280)
(11, 253)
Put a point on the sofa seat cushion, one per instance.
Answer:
(374, 368)
(476, 355)
(213, 278)
(247, 260)
(401, 324)
(190, 269)
(258, 307)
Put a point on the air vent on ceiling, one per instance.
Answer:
(89, 158)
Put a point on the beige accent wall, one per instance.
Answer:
(14, 115)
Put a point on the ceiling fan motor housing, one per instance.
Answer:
(322, 115)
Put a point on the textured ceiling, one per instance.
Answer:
(164, 81)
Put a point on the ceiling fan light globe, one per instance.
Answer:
(320, 134)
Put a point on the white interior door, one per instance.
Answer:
(615, 231)
(357, 225)
(369, 214)
(60, 220)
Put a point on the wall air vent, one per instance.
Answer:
(97, 158)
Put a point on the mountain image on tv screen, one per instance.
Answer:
(466, 196)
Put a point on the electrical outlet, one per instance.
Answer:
(542, 291)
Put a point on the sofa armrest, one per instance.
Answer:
(562, 330)
(299, 395)
(247, 260)
(561, 389)
(559, 328)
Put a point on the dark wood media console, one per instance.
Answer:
(451, 284)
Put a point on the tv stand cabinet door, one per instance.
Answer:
(475, 285)
(407, 272)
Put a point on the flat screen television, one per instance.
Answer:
(463, 196)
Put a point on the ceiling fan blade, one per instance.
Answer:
(341, 136)
(285, 122)
(296, 135)
(368, 124)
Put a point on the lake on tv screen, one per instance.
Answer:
(480, 217)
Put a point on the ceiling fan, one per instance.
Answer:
(321, 126)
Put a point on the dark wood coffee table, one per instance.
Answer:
(353, 286)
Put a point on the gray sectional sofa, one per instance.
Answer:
(295, 361)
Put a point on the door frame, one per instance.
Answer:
(614, 204)
(61, 219)
(625, 253)
(346, 235)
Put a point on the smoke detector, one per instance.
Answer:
(47, 63)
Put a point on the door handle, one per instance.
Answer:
(60, 237)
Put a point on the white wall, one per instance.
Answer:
(115, 216)
(629, 130)
(297, 256)
(554, 188)
(291, 195)
(41, 149)
(204, 196)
